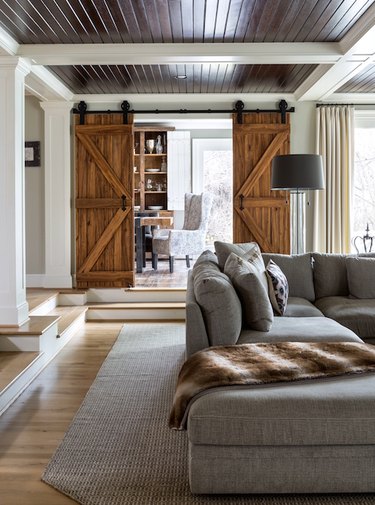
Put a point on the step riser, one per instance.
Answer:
(45, 307)
(135, 296)
(12, 343)
(135, 314)
(72, 299)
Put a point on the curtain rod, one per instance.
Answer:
(239, 109)
(345, 104)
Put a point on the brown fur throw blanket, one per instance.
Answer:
(251, 364)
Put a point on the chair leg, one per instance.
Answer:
(188, 261)
(154, 261)
(171, 262)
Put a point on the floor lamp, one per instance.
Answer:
(297, 173)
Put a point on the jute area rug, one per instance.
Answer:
(119, 449)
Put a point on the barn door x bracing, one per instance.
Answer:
(104, 203)
(260, 215)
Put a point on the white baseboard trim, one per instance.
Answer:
(48, 281)
(58, 281)
(34, 280)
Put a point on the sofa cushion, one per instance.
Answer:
(298, 271)
(361, 276)
(328, 412)
(300, 329)
(245, 250)
(206, 255)
(356, 314)
(278, 288)
(300, 307)
(251, 286)
(220, 305)
(329, 272)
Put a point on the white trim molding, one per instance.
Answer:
(57, 156)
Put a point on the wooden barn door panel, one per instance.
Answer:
(104, 203)
(260, 215)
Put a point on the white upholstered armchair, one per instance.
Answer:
(191, 239)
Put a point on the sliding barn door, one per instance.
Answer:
(104, 202)
(260, 215)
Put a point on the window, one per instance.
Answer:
(363, 193)
(212, 171)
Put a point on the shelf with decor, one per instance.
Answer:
(151, 167)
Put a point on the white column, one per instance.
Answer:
(57, 164)
(14, 309)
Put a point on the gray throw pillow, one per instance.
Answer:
(206, 255)
(249, 284)
(219, 303)
(361, 276)
(223, 250)
(278, 288)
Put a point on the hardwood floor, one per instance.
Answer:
(162, 278)
(33, 426)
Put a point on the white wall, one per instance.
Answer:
(34, 194)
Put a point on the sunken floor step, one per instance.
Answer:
(17, 370)
(68, 317)
(30, 336)
(41, 301)
(12, 364)
(136, 311)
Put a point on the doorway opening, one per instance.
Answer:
(210, 170)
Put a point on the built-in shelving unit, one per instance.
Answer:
(150, 168)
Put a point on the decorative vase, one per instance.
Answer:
(150, 144)
(159, 146)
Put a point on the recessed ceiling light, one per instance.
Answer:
(181, 76)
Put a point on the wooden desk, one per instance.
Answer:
(140, 223)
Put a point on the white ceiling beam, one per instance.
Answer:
(164, 54)
(41, 83)
(358, 52)
(7, 44)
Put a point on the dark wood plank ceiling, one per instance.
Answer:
(209, 78)
(179, 21)
(140, 21)
(364, 82)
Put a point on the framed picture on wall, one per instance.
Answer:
(32, 154)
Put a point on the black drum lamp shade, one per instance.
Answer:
(297, 172)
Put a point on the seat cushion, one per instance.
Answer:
(300, 307)
(300, 329)
(358, 315)
(297, 269)
(339, 411)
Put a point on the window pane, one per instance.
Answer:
(363, 207)
(217, 179)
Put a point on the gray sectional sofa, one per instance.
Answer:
(307, 437)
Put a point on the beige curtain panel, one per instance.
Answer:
(335, 139)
